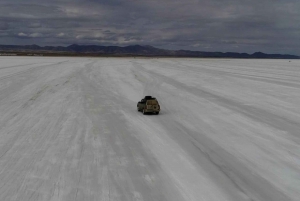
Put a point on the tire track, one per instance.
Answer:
(27, 70)
(266, 79)
(257, 114)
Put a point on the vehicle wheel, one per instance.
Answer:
(144, 112)
(157, 113)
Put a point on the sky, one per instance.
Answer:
(270, 26)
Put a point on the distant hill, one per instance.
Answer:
(132, 50)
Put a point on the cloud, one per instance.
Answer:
(35, 35)
(34, 25)
(220, 25)
(31, 35)
(22, 34)
(61, 34)
(4, 26)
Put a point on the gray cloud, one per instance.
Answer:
(4, 26)
(272, 26)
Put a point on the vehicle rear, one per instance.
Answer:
(152, 106)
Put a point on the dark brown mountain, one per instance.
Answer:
(134, 50)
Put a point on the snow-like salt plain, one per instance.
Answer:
(229, 130)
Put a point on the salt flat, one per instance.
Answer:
(229, 129)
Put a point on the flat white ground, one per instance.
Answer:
(229, 130)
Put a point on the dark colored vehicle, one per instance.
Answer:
(148, 104)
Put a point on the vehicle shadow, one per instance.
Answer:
(152, 114)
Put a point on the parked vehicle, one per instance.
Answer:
(148, 104)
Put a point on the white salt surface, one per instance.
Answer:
(228, 129)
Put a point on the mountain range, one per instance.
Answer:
(133, 50)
